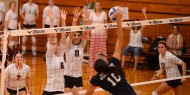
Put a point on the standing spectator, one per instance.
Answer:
(169, 65)
(11, 18)
(2, 15)
(135, 42)
(29, 13)
(97, 37)
(175, 41)
(46, 18)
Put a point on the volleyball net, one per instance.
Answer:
(38, 64)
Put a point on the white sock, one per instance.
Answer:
(154, 93)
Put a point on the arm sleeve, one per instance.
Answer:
(105, 16)
(3, 7)
(37, 9)
(45, 12)
(115, 61)
(62, 48)
(6, 73)
(49, 52)
(57, 12)
(7, 16)
(95, 80)
(28, 71)
(91, 16)
(176, 60)
(23, 8)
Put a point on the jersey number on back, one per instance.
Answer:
(76, 53)
(113, 82)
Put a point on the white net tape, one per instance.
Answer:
(95, 27)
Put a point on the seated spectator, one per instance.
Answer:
(135, 42)
(175, 41)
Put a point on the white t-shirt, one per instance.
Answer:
(98, 20)
(176, 42)
(56, 11)
(169, 62)
(16, 78)
(74, 59)
(2, 9)
(30, 12)
(135, 39)
(12, 18)
(55, 70)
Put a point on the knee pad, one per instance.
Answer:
(12, 43)
(24, 38)
(33, 39)
(34, 48)
(154, 93)
(24, 48)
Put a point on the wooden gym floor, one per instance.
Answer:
(38, 74)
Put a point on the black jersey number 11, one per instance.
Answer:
(76, 53)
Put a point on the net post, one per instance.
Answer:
(3, 62)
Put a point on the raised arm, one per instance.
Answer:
(51, 36)
(118, 46)
(63, 24)
(145, 17)
(85, 34)
(76, 13)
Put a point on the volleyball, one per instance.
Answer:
(112, 11)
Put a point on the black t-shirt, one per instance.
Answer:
(114, 83)
(9, 55)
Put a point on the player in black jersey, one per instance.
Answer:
(109, 75)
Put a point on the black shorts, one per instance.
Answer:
(52, 93)
(70, 82)
(48, 26)
(14, 92)
(27, 26)
(11, 29)
(0, 22)
(174, 83)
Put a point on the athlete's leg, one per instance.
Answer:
(163, 88)
(34, 45)
(24, 39)
(178, 90)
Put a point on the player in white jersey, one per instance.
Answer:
(2, 15)
(75, 44)
(46, 18)
(55, 64)
(16, 75)
(11, 18)
(169, 63)
(29, 13)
